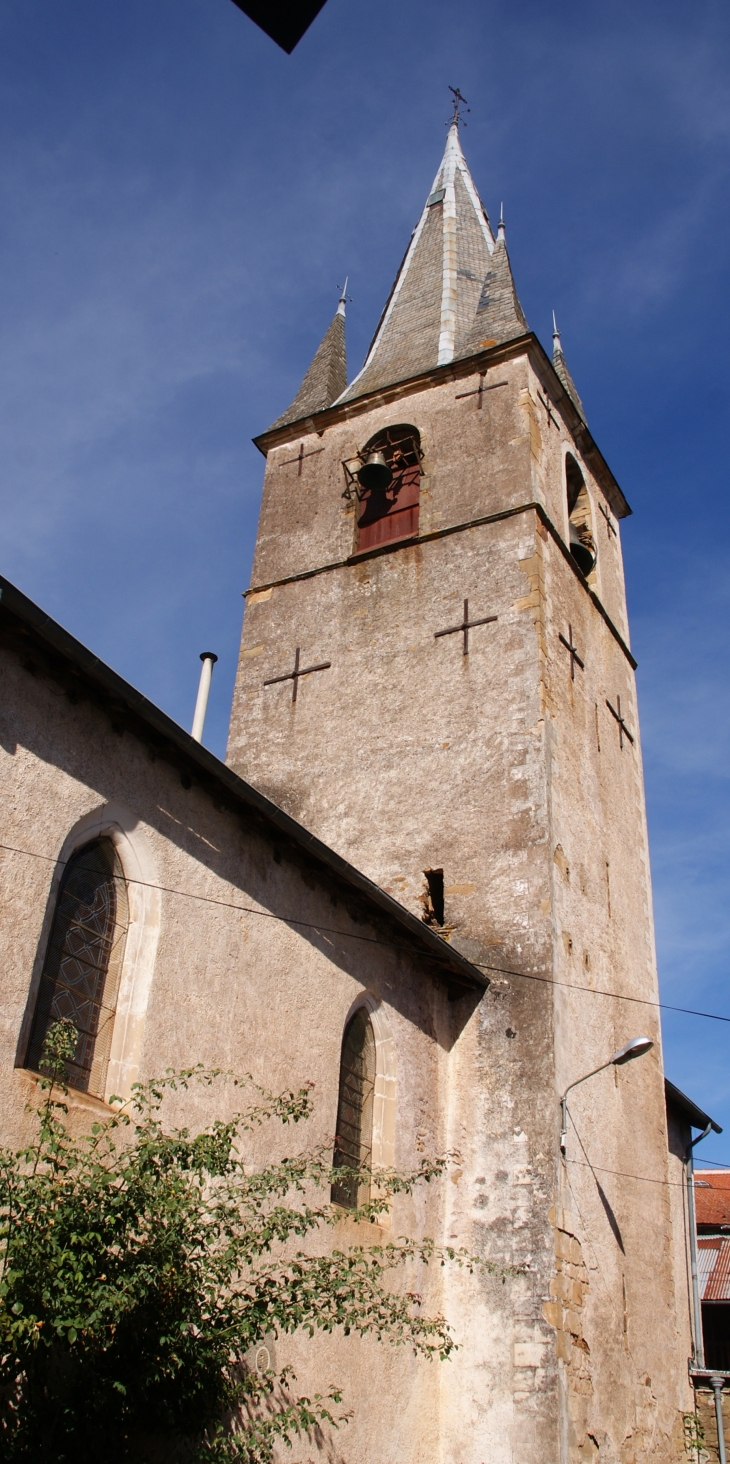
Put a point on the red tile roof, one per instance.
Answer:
(712, 1196)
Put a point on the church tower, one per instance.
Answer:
(435, 677)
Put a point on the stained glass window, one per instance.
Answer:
(83, 963)
(354, 1133)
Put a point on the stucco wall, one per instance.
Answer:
(209, 978)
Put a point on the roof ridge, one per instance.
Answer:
(171, 740)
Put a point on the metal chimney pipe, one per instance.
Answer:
(201, 706)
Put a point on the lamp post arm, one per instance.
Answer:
(584, 1079)
(564, 1102)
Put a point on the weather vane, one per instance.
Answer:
(459, 101)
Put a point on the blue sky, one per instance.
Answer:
(181, 202)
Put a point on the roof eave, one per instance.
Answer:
(319, 422)
(453, 370)
(209, 770)
(694, 1115)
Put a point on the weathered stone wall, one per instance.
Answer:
(701, 1429)
(511, 776)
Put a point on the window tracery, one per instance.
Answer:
(83, 963)
(354, 1131)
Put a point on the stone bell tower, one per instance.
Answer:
(435, 677)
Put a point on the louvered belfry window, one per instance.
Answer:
(392, 513)
(83, 963)
(354, 1133)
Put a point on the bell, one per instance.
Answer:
(581, 551)
(375, 473)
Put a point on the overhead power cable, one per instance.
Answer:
(390, 945)
(293, 920)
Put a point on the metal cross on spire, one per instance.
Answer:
(344, 297)
(459, 101)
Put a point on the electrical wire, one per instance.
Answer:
(389, 945)
(371, 940)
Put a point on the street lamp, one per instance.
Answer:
(635, 1048)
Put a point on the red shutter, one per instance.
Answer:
(392, 514)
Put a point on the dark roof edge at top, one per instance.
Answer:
(696, 1117)
(123, 696)
(454, 370)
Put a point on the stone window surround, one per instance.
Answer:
(383, 1149)
(115, 822)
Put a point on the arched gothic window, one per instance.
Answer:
(391, 512)
(83, 963)
(582, 542)
(354, 1132)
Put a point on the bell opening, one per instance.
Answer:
(375, 475)
(582, 542)
(583, 556)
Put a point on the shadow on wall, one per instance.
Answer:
(259, 872)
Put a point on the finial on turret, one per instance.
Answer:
(561, 367)
(459, 101)
(344, 297)
(500, 229)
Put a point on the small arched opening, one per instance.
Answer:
(582, 541)
(389, 496)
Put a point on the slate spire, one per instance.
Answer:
(430, 316)
(499, 315)
(326, 378)
(562, 371)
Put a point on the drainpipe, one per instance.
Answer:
(201, 705)
(717, 1390)
(698, 1340)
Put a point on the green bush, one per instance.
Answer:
(138, 1268)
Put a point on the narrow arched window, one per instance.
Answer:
(582, 541)
(354, 1132)
(389, 509)
(83, 963)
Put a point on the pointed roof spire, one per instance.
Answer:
(499, 315)
(327, 375)
(562, 371)
(430, 312)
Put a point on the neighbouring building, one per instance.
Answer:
(702, 1263)
(712, 1206)
(434, 786)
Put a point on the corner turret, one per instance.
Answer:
(326, 378)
